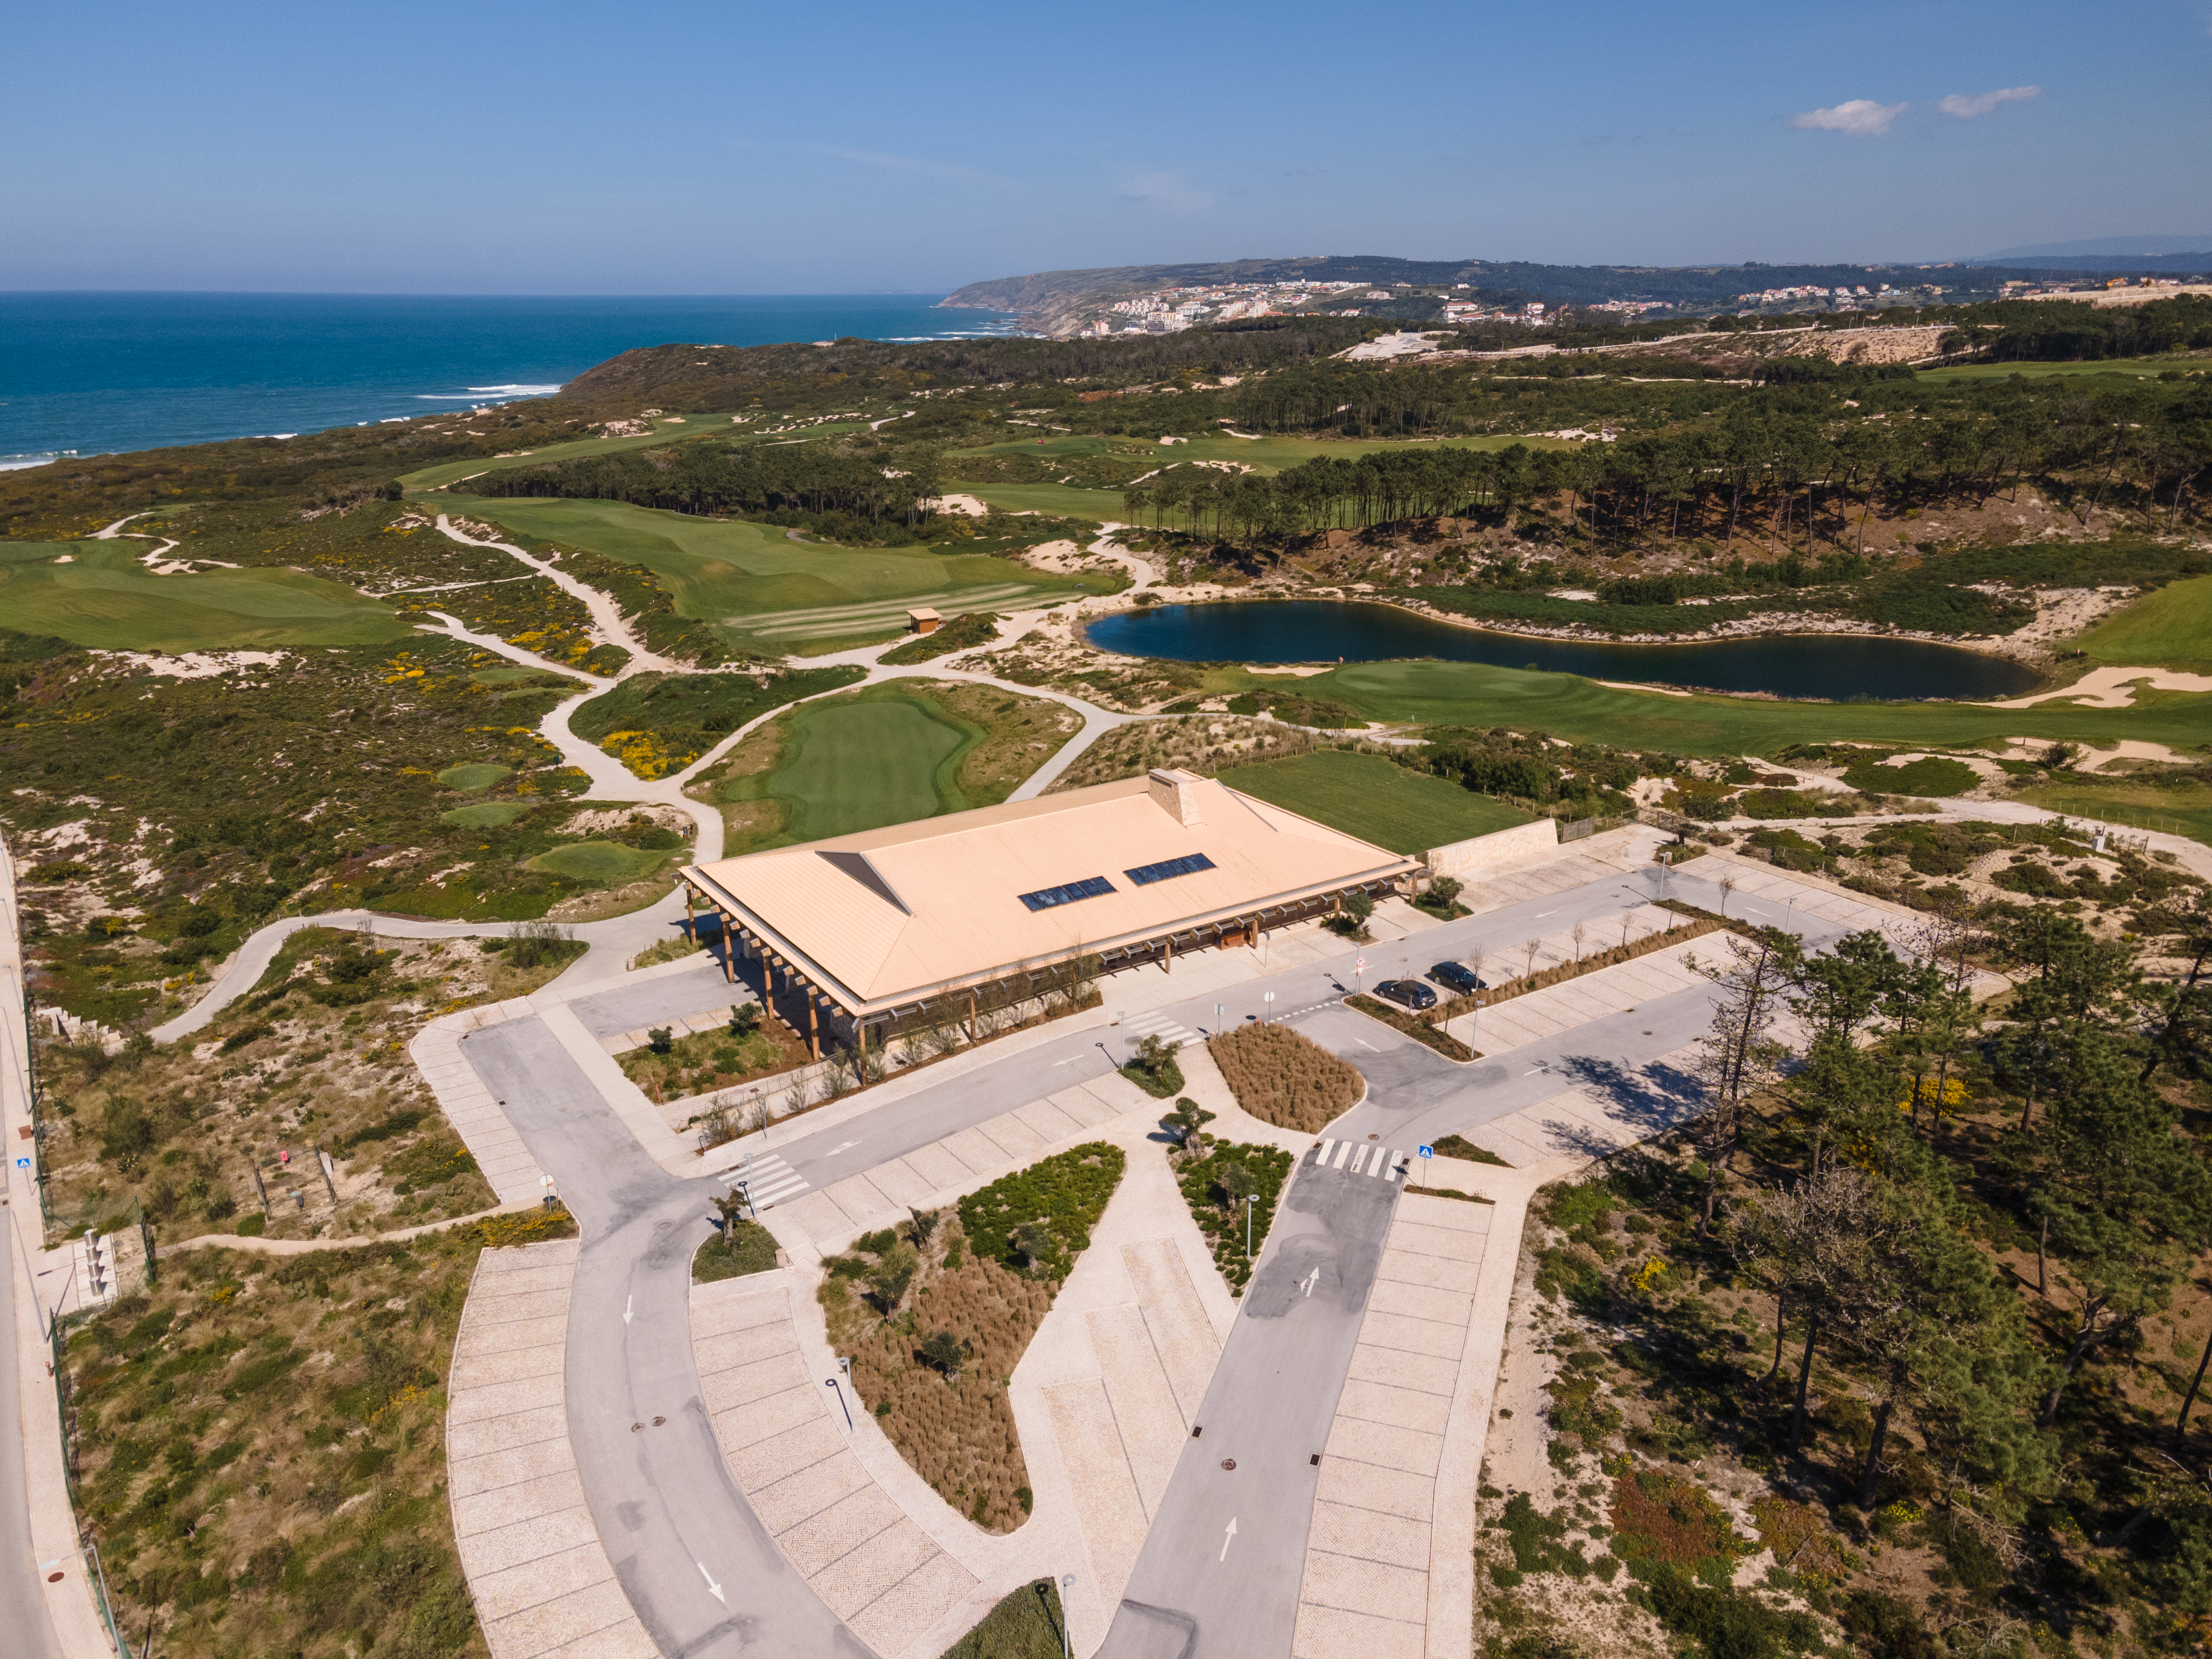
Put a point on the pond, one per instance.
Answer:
(1839, 667)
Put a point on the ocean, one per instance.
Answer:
(97, 373)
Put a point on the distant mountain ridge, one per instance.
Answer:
(1060, 300)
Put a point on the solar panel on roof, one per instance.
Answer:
(1145, 874)
(1046, 898)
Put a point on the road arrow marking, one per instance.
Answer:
(1311, 1280)
(712, 1588)
(627, 1302)
(1226, 1537)
(846, 1147)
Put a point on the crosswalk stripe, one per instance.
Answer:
(771, 1181)
(1343, 1150)
(1321, 1153)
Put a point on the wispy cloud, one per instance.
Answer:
(1861, 117)
(1982, 103)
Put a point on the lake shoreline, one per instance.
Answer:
(1772, 626)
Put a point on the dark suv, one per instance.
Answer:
(1457, 976)
(1407, 993)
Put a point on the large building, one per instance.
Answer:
(860, 934)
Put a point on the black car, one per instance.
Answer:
(1407, 993)
(1457, 976)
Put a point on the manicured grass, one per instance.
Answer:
(859, 763)
(1055, 500)
(2180, 809)
(1567, 706)
(2169, 629)
(1374, 799)
(752, 578)
(472, 775)
(447, 473)
(751, 1248)
(491, 815)
(105, 599)
(2127, 368)
(1025, 1624)
(607, 863)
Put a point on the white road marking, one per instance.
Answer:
(1321, 1153)
(1365, 1044)
(1359, 1157)
(1343, 1151)
(1311, 1280)
(773, 1181)
(1160, 1025)
(712, 1588)
(627, 1301)
(1228, 1535)
(846, 1147)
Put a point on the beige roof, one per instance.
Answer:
(887, 915)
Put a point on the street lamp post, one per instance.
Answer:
(1251, 1203)
(832, 1383)
(1066, 1639)
(1268, 998)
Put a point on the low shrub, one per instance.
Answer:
(1213, 1183)
(1285, 1079)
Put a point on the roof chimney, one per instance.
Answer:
(1177, 793)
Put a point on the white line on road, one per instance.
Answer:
(1311, 1280)
(846, 1147)
(627, 1301)
(1365, 1044)
(712, 1588)
(1227, 1535)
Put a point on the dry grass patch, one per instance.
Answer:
(936, 1315)
(259, 1451)
(314, 1056)
(1283, 1078)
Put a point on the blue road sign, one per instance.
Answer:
(1428, 1151)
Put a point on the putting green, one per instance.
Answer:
(861, 763)
(2169, 629)
(1374, 799)
(752, 578)
(472, 775)
(608, 863)
(98, 594)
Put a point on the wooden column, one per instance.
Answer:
(813, 1031)
(1167, 955)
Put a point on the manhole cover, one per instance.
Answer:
(1228, 1462)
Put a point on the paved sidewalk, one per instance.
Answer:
(787, 1445)
(936, 1174)
(538, 1572)
(1367, 1591)
(46, 1598)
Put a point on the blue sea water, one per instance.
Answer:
(93, 373)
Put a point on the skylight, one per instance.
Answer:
(1145, 874)
(1047, 899)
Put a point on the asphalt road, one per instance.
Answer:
(661, 1495)
(22, 1599)
(1198, 1587)
(1415, 1092)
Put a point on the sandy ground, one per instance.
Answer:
(2113, 688)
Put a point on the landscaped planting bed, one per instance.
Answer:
(1285, 1079)
(936, 1315)
(1214, 1175)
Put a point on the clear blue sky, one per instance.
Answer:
(744, 148)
